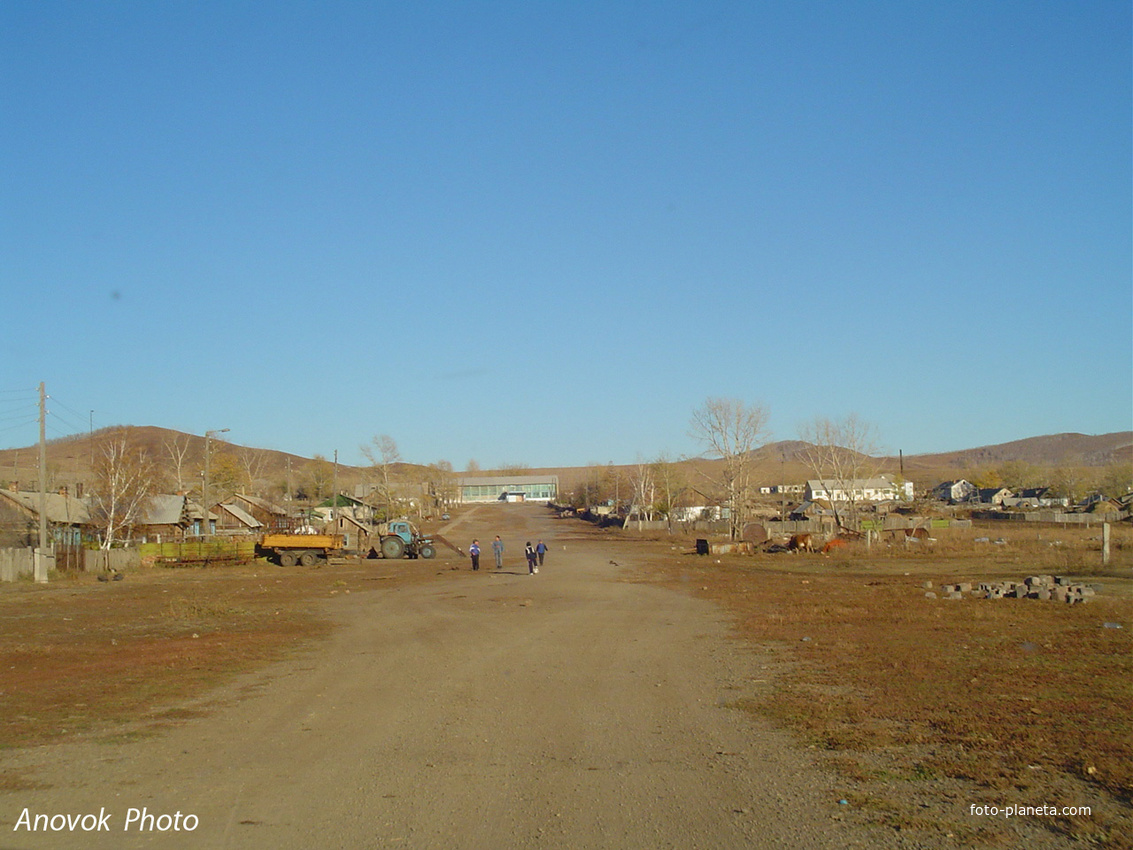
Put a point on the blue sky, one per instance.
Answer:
(544, 233)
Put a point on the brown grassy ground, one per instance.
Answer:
(927, 705)
(932, 705)
(82, 657)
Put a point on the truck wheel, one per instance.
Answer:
(308, 559)
(427, 551)
(287, 559)
(393, 547)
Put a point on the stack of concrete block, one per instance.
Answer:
(1043, 587)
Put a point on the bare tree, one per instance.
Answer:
(226, 473)
(123, 488)
(473, 466)
(841, 454)
(254, 461)
(671, 486)
(440, 484)
(320, 473)
(1017, 474)
(1116, 480)
(643, 484)
(731, 430)
(177, 446)
(382, 453)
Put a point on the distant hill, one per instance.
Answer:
(1051, 450)
(69, 459)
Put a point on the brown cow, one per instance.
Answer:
(836, 543)
(801, 543)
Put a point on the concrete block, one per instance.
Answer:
(955, 594)
(930, 595)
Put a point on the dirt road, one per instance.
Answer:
(574, 708)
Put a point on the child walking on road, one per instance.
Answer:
(474, 551)
(529, 550)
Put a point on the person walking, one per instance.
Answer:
(529, 550)
(474, 551)
(541, 551)
(498, 551)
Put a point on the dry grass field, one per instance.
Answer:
(933, 705)
(925, 706)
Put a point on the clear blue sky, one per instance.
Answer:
(544, 233)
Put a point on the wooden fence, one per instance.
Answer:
(15, 563)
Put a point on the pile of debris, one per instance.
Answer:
(1056, 588)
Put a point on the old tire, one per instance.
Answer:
(427, 551)
(308, 559)
(287, 559)
(393, 547)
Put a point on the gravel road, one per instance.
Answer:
(574, 708)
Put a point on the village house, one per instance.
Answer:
(232, 519)
(165, 519)
(879, 489)
(1035, 497)
(993, 495)
(955, 491)
(271, 516)
(67, 518)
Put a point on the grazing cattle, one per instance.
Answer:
(833, 544)
(801, 543)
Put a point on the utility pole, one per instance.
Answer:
(40, 568)
(334, 490)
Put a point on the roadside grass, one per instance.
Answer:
(113, 661)
(1017, 700)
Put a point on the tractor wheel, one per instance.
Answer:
(427, 551)
(393, 547)
(287, 559)
(308, 559)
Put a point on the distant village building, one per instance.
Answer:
(993, 495)
(879, 489)
(955, 491)
(1036, 497)
(509, 488)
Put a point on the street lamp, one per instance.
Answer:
(205, 528)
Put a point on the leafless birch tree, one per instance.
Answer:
(382, 453)
(840, 453)
(177, 447)
(731, 430)
(124, 479)
(643, 486)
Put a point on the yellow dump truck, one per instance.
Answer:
(306, 549)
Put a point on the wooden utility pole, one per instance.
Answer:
(41, 555)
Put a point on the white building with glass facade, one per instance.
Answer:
(509, 488)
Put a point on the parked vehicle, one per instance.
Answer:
(400, 539)
(306, 549)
